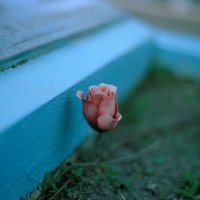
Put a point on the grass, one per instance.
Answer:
(153, 153)
(191, 185)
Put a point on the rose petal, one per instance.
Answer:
(107, 106)
(96, 95)
(102, 86)
(95, 89)
(80, 94)
(112, 89)
(116, 105)
(97, 98)
(90, 111)
(106, 122)
(89, 98)
(106, 91)
(118, 116)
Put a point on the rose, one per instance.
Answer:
(100, 107)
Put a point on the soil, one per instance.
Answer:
(153, 153)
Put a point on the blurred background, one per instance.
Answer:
(178, 15)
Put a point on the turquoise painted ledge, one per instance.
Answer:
(178, 52)
(41, 120)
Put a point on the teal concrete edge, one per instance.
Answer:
(41, 118)
(178, 52)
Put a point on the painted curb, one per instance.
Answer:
(178, 52)
(41, 118)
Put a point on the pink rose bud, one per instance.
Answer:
(100, 107)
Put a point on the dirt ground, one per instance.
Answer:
(153, 153)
